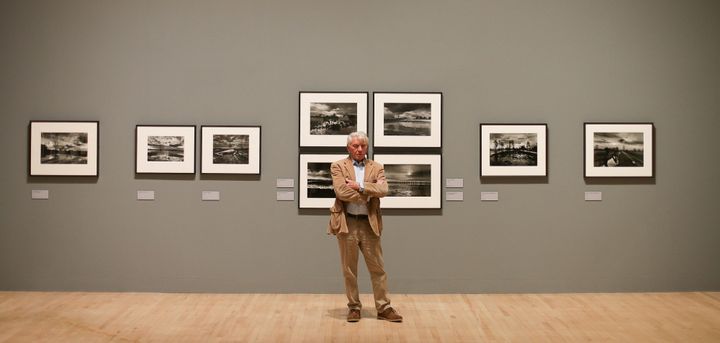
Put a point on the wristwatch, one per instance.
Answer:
(362, 189)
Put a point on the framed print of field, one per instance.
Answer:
(326, 118)
(513, 149)
(230, 150)
(414, 181)
(165, 149)
(63, 148)
(618, 149)
(407, 119)
(316, 188)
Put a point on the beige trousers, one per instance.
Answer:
(361, 238)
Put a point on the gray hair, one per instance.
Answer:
(362, 136)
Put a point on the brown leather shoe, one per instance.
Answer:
(353, 315)
(390, 315)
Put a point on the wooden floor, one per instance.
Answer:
(122, 317)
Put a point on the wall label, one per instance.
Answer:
(593, 196)
(146, 195)
(211, 195)
(454, 196)
(489, 196)
(40, 194)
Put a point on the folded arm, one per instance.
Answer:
(342, 190)
(379, 188)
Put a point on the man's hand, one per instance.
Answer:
(352, 184)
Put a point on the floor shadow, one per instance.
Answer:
(341, 313)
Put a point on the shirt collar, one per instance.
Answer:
(358, 164)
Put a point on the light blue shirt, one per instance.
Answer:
(358, 207)
(359, 172)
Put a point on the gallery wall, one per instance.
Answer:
(562, 63)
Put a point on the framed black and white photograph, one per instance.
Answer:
(414, 181)
(407, 119)
(618, 149)
(165, 149)
(326, 118)
(63, 148)
(230, 149)
(513, 149)
(316, 188)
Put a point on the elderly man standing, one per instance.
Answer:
(355, 219)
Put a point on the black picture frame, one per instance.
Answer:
(501, 156)
(325, 118)
(407, 119)
(317, 193)
(419, 192)
(234, 159)
(618, 149)
(63, 148)
(167, 159)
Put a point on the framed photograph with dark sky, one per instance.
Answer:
(326, 118)
(414, 181)
(165, 149)
(63, 148)
(230, 150)
(316, 187)
(513, 150)
(619, 149)
(407, 119)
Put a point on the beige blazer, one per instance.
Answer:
(375, 187)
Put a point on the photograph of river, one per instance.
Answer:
(166, 148)
(513, 149)
(63, 148)
(333, 118)
(408, 180)
(231, 149)
(407, 119)
(618, 149)
(319, 180)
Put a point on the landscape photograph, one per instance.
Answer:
(64, 148)
(407, 119)
(618, 149)
(333, 118)
(166, 148)
(319, 180)
(408, 180)
(513, 149)
(231, 149)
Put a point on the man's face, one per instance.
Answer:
(357, 149)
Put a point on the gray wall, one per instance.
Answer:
(243, 62)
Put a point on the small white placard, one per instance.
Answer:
(454, 196)
(211, 195)
(454, 183)
(285, 195)
(593, 196)
(40, 194)
(489, 196)
(285, 183)
(146, 195)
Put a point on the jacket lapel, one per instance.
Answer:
(369, 166)
(349, 169)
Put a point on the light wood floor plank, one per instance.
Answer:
(163, 317)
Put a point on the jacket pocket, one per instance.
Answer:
(336, 214)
